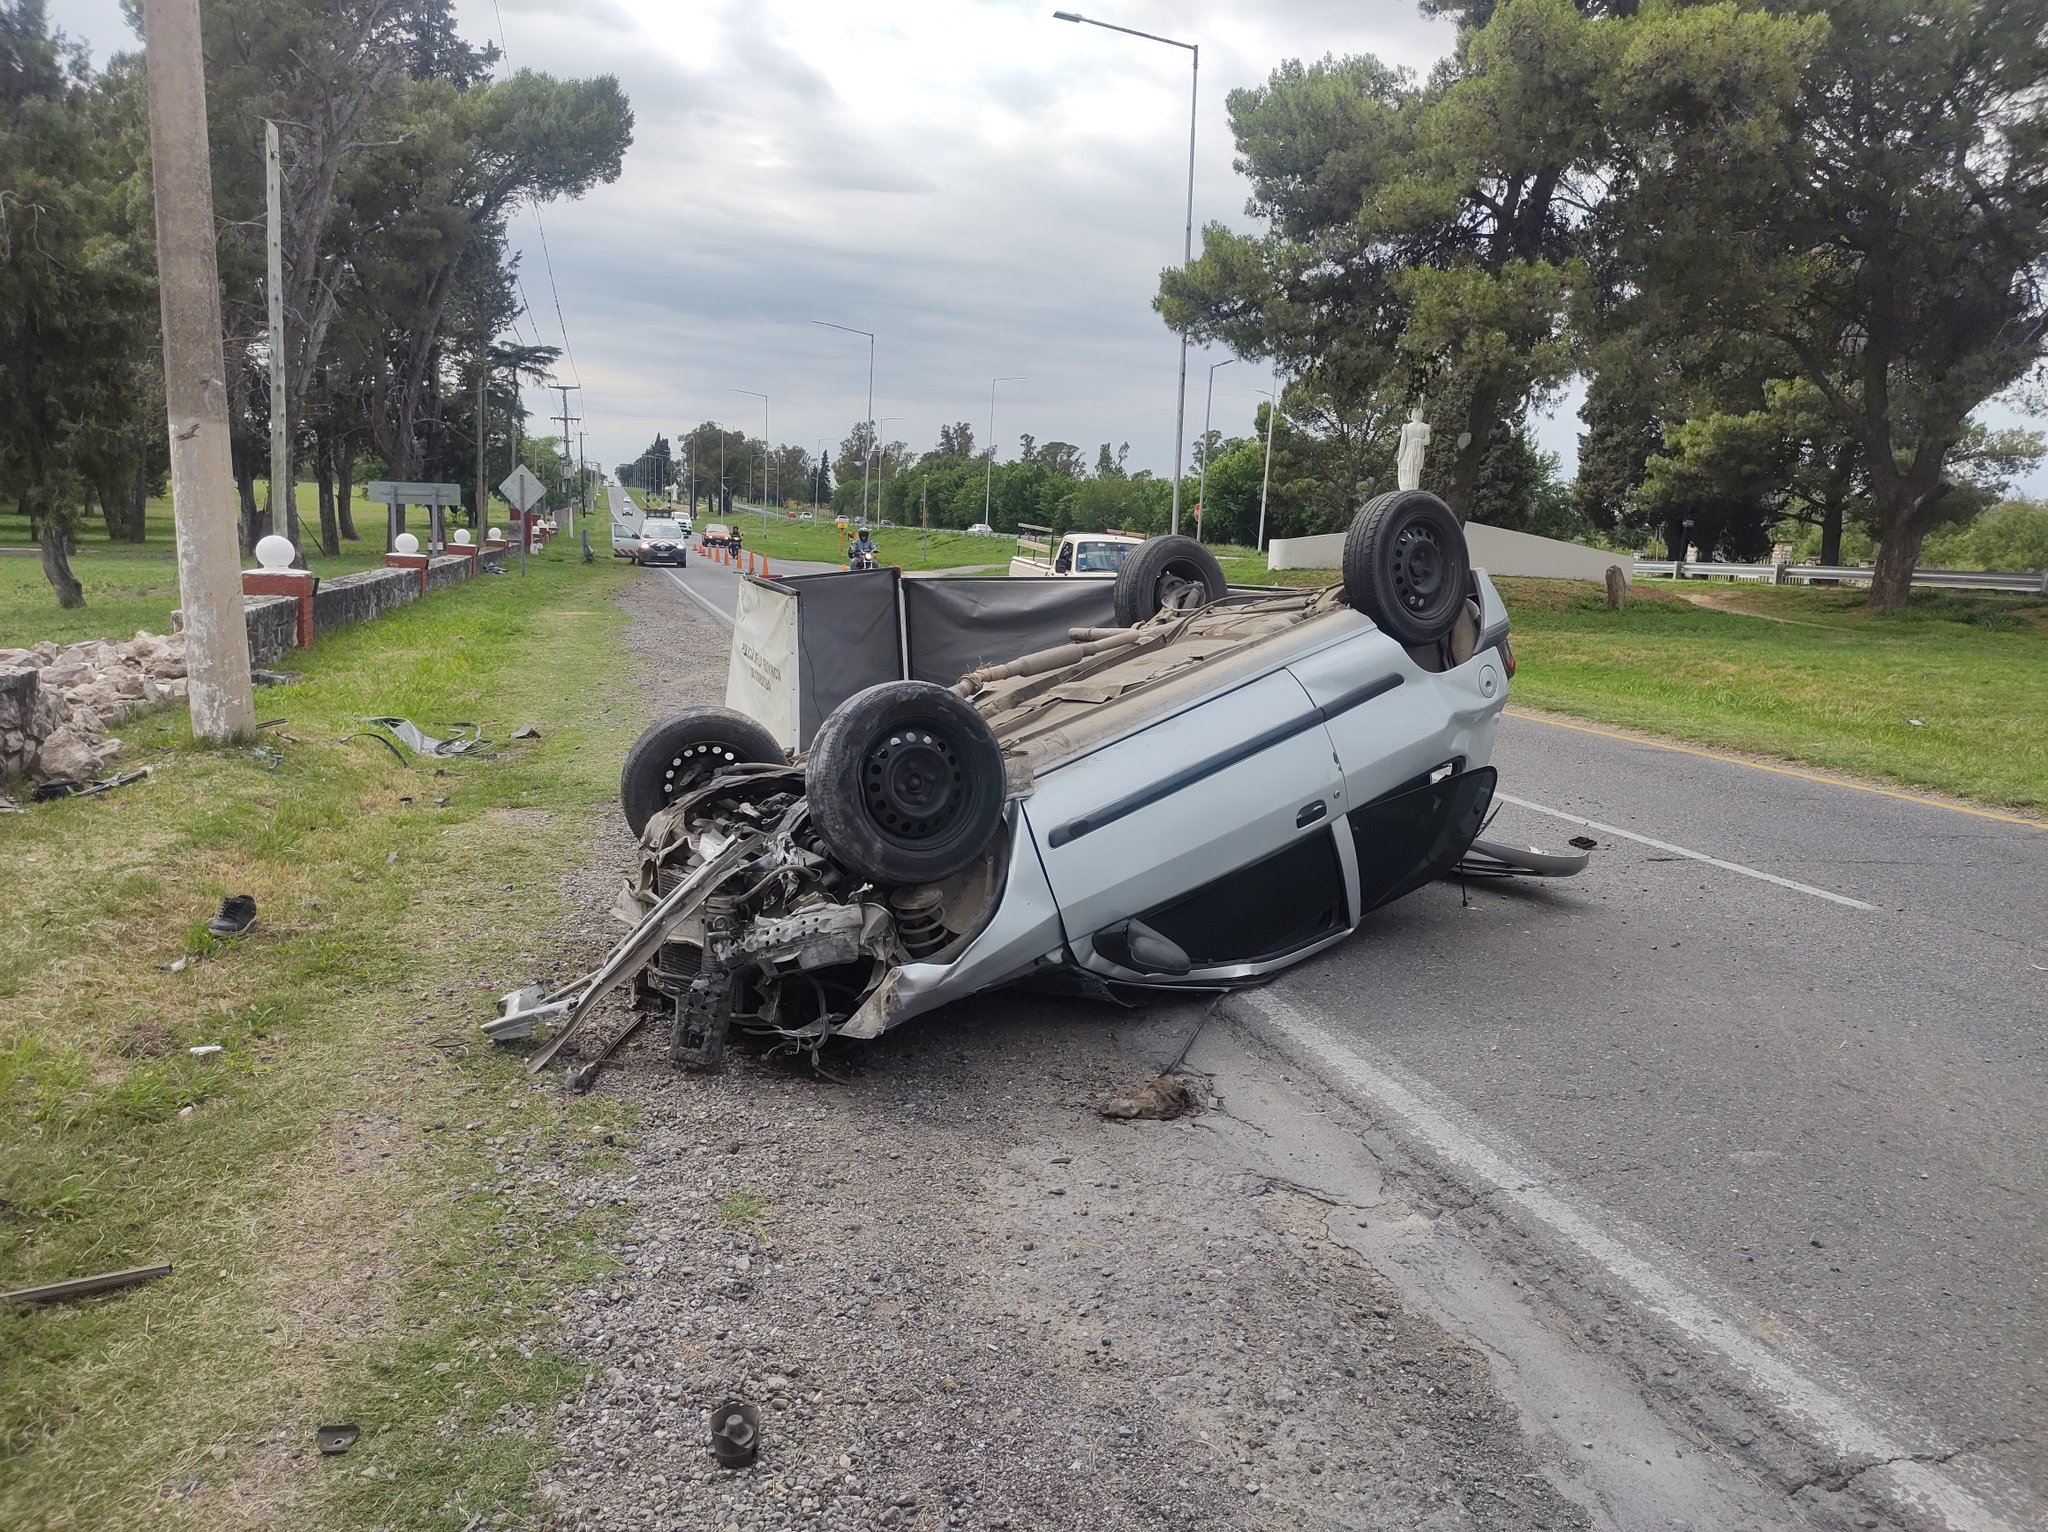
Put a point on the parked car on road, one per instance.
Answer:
(982, 529)
(716, 535)
(1216, 788)
(662, 541)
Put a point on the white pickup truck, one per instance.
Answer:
(1088, 555)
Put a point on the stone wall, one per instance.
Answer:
(446, 571)
(362, 597)
(273, 627)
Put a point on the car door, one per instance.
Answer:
(1213, 826)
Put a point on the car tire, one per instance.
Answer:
(1406, 567)
(905, 782)
(1164, 572)
(684, 750)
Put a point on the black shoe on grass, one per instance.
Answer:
(237, 914)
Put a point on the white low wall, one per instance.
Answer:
(1493, 549)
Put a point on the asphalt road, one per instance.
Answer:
(1828, 1119)
(1767, 1078)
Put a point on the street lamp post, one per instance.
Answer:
(870, 334)
(1202, 487)
(988, 479)
(874, 457)
(1180, 408)
(1272, 411)
(765, 459)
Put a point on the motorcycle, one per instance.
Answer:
(857, 560)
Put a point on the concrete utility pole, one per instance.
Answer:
(568, 457)
(483, 378)
(195, 382)
(282, 491)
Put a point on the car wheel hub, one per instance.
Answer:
(912, 784)
(1418, 568)
(692, 765)
(1179, 591)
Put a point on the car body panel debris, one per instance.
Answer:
(86, 1287)
(1195, 801)
(334, 1440)
(420, 742)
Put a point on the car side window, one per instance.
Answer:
(1064, 560)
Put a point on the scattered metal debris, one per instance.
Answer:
(269, 756)
(334, 1440)
(526, 731)
(9, 806)
(420, 742)
(521, 1010)
(423, 743)
(203, 1050)
(1166, 1098)
(735, 1433)
(65, 787)
(86, 1287)
(1583, 843)
(276, 677)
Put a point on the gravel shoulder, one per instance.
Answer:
(963, 1298)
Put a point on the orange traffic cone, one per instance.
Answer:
(764, 566)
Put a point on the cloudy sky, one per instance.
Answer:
(989, 190)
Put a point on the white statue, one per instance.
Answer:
(1408, 462)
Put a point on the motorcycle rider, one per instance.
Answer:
(860, 553)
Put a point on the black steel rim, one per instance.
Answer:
(913, 784)
(1419, 568)
(692, 765)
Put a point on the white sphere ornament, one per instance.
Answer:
(405, 543)
(461, 538)
(274, 552)
(496, 534)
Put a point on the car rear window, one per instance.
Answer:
(1094, 558)
(660, 528)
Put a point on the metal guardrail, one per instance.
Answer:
(2026, 584)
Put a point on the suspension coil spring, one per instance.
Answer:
(918, 922)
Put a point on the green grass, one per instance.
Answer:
(1947, 694)
(129, 586)
(821, 542)
(744, 1209)
(351, 1235)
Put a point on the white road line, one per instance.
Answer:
(1837, 1425)
(724, 617)
(1697, 856)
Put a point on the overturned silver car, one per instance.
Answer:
(1193, 789)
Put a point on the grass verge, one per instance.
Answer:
(124, 591)
(360, 1201)
(1946, 694)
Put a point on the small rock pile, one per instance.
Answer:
(57, 702)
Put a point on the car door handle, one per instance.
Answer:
(1310, 814)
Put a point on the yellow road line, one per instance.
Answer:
(1783, 771)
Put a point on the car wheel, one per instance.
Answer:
(905, 782)
(682, 752)
(1405, 565)
(1166, 574)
